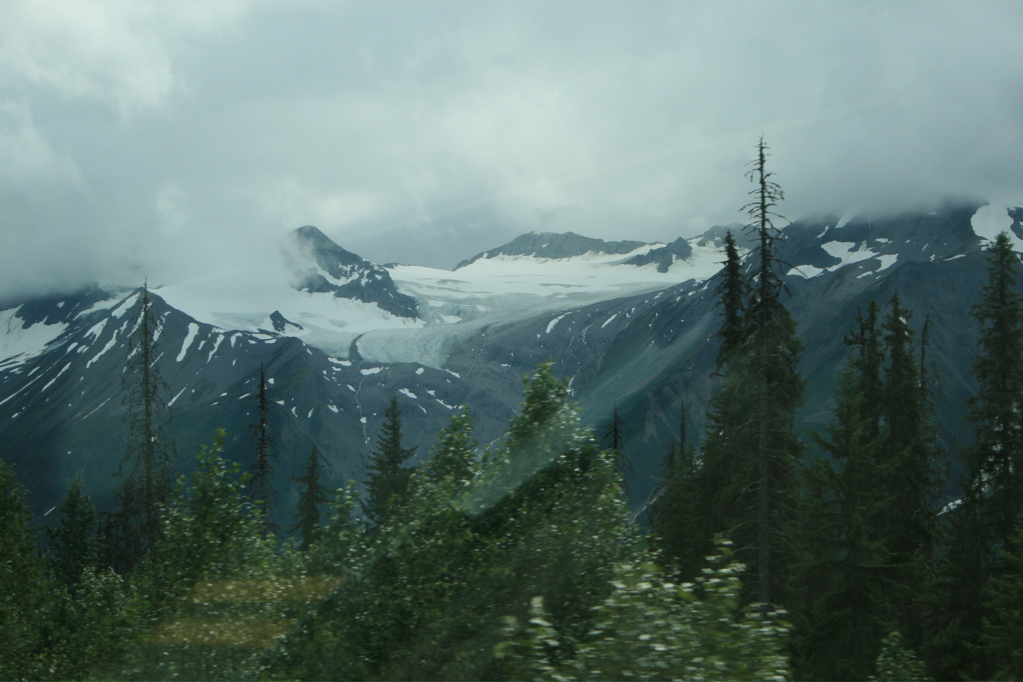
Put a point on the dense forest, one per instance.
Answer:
(762, 556)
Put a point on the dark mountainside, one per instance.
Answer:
(653, 355)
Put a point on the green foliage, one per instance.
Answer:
(74, 546)
(425, 599)
(454, 455)
(88, 626)
(544, 396)
(982, 526)
(743, 484)
(307, 512)
(341, 545)
(995, 461)
(866, 528)
(841, 610)
(675, 516)
(83, 613)
(387, 483)
(895, 662)
(541, 442)
(1001, 641)
(648, 628)
(613, 437)
(60, 628)
(263, 463)
(207, 598)
(210, 531)
(22, 585)
(732, 292)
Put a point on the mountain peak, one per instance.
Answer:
(347, 275)
(555, 245)
(310, 232)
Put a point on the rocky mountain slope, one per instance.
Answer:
(628, 324)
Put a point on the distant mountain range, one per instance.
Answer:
(628, 324)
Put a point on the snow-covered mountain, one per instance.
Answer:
(628, 324)
(330, 269)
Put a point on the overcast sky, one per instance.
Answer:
(190, 136)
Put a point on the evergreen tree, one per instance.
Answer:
(840, 607)
(454, 455)
(908, 472)
(23, 586)
(207, 590)
(675, 516)
(745, 479)
(340, 549)
(307, 513)
(1001, 641)
(147, 464)
(262, 469)
(387, 485)
(982, 526)
(425, 600)
(86, 627)
(534, 440)
(613, 436)
(994, 464)
(211, 529)
(895, 662)
(732, 301)
(772, 357)
(74, 547)
(866, 520)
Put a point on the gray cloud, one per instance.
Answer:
(183, 138)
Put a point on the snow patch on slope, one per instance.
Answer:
(847, 253)
(18, 340)
(193, 329)
(989, 220)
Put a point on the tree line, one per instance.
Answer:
(848, 533)
(765, 556)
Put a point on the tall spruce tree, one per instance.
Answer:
(731, 292)
(983, 525)
(908, 481)
(261, 483)
(683, 537)
(772, 359)
(866, 526)
(696, 498)
(387, 486)
(909, 475)
(147, 464)
(840, 609)
(1001, 641)
(994, 483)
(613, 437)
(314, 493)
(751, 449)
(22, 586)
(74, 544)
